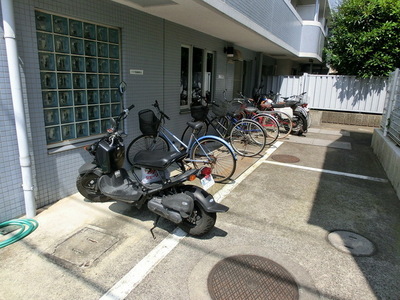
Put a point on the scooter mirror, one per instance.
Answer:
(122, 87)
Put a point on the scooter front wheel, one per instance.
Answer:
(87, 186)
(199, 222)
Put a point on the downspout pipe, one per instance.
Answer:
(18, 106)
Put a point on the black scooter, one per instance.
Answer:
(104, 179)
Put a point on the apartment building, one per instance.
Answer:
(62, 61)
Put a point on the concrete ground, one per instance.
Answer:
(283, 208)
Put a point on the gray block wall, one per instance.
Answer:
(148, 43)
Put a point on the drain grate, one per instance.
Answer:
(351, 243)
(244, 277)
(284, 158)
(85, 246)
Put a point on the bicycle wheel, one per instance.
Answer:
(285, 123)
(248, 138)
(145, 142)
(220, 126)
(215, 154)
(270, 125)
(188, 132)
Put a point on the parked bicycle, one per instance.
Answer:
(268, 121)
(246, 136)
(291, 114)
(283, 116)
(208, 150)
(294, 104)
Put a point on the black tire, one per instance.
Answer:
(217, 155)
(188, 132)
(145, 142)
(299, 123)
(87, 186)
(248, 138)
(200, 222)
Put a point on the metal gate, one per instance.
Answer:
(333, 92)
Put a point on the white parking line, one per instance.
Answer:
(133, 278)
(327, 171)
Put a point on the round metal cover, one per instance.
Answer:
(352, 243)
(251, 277)
(284, 158)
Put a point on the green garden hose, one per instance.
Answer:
(27, 226)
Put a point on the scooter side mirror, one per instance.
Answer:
(122, 87)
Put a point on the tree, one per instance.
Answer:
(365, 38)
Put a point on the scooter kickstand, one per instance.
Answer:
(154, 226)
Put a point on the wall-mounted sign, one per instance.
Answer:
(135, 72)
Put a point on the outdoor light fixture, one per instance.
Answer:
(229, 51)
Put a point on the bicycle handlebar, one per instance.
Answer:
(159, 110)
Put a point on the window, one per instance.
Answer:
(197, 67)
(80, 73)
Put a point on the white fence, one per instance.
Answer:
(391, 113)
(333, 92)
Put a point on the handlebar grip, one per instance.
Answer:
(156, 104)
(165, 116)
(132, 106)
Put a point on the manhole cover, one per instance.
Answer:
(251, 277)
(352, 243)
(285, 158)
(85, 246)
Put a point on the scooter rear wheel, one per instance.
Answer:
(199, 222)
(87, 186)
(299, 123)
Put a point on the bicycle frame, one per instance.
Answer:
(165, 133)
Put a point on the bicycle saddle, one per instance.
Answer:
(195, 125)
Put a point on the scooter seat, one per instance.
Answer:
(157, 159)
(278, 105)
(291, 102)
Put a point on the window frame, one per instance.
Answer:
(204, 75)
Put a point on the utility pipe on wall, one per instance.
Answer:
(18, 105)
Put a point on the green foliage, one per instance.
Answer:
(365, 38)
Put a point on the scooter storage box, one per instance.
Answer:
(287, 110)
(109, 157)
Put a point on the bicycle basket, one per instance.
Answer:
(199, 112)
(148, 122)
(227, 107)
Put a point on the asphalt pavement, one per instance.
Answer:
(314, 218)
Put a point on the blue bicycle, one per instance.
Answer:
(208, 150)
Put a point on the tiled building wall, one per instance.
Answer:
(148, 43)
